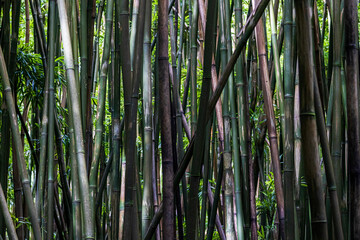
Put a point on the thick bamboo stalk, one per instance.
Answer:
(352, 96)
(84, 58)
(289, 179)
(337, 127)
(167, 152)
(76, 115)
(309, 143)
(330, 177)
(148, 200)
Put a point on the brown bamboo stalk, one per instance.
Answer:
(271, 123)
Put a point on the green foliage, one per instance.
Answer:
(267, 205)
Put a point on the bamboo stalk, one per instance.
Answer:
(260, 42)
(352, 96)
(288, 130)
(73, 93)
(7, 217)
(18, 146)
(51, 95)
(309, 143)
(100, 107)
(148, 200)
(167, 152)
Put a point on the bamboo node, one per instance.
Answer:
(310, 114)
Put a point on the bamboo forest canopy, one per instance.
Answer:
(179, 119)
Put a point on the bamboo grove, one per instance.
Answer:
(180, 119)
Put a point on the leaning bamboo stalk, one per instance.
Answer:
(6, 215)
(18, 146)
(73, 94)
(329, 170)
(244, 35)
(271, 124)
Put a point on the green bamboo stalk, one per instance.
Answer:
(134, 19)
(123, 11)
(148, 200)
(18, 146)
(132, 196)
(74, 98)
(193, 208)
(309, 140)
(84, 58)
(7, 217)
(288, 130)
(193, 64)
(73, 24)
(76, 202)
(51, 96)
(330, 177)
(228, 97)
(242, 209)
(100, 107)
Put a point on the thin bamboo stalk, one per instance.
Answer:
(51, 95)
